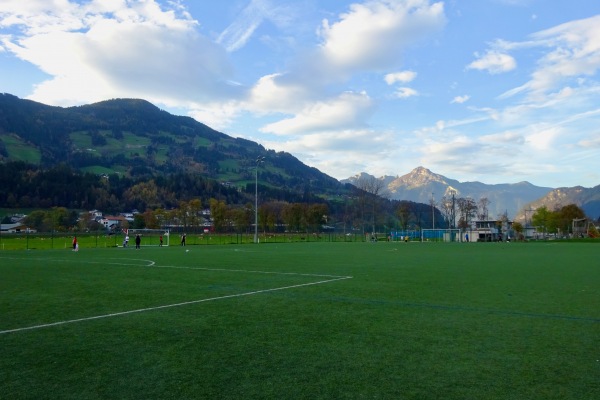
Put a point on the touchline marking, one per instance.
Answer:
(150, 262)
(170, 306)
(254, 272)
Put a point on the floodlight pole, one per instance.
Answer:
(432, 212)
(259, 160)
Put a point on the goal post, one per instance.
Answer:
(149, 237)
(440, 235)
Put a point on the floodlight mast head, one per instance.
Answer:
(259, 160)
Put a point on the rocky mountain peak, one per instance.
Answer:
(418, 177)
(421, 185)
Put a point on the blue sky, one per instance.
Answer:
(499, 91)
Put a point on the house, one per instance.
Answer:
(488, 231)
(15, 228)
(15, 218)
(95, 215)
(113, 222)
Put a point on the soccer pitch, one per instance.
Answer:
(302, 321)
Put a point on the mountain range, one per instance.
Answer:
(421, 185)
(134, 138)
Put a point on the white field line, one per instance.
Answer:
(332, 278)
(335, 277)
(152, 264)
(169, 306)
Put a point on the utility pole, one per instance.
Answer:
(453, 210)
(527, 226)
(259, 160)
(432, 212)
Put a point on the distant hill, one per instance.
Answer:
(588, 199)
(134, 138)
(419, 184)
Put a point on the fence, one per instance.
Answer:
(40, 241)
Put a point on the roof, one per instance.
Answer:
(7, 227)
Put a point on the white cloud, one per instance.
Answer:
(272, 94)
(405, 92)
(364, 39)
(347, 110)
(248, 20)
(509, 137)
(570, 51)
(494, 62)
(575, 51)
(593, 142)
(218, 115)
(111, 49)
(372, 35)
(402, 76)
(542, 138)
(460, 99)
(345, 150)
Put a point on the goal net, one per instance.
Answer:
(148, 237)
(440, 235)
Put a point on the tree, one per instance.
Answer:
(370, 190)
(448, 209)
(566, 215)
(593, 232)
(293, 216)
(195, 212)
(218, 212)
(518, 227)
(39, 221)
(242, 217)
(151, 220)
(142, 195)
(483, 204)
(403, 212)
(541, 218)
(138, 221)
(62, 218)
(316, 216)
(467, 210)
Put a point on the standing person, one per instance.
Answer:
(74, 243)
(161, 241)
(183, 239)
(138, 241)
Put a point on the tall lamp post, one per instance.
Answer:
(432, 212)
(259, 160)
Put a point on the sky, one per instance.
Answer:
(496, 91)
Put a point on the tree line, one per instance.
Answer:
(60, 194)
(559, 221)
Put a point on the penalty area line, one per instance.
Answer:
(185, 303)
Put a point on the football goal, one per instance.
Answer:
(149, 237)
(440, 235)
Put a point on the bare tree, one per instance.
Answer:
(467, 209)
(483, 210)
(447, 207)
(403, 212)
(371, 189)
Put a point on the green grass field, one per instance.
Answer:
(20, 150)
(302, 321)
